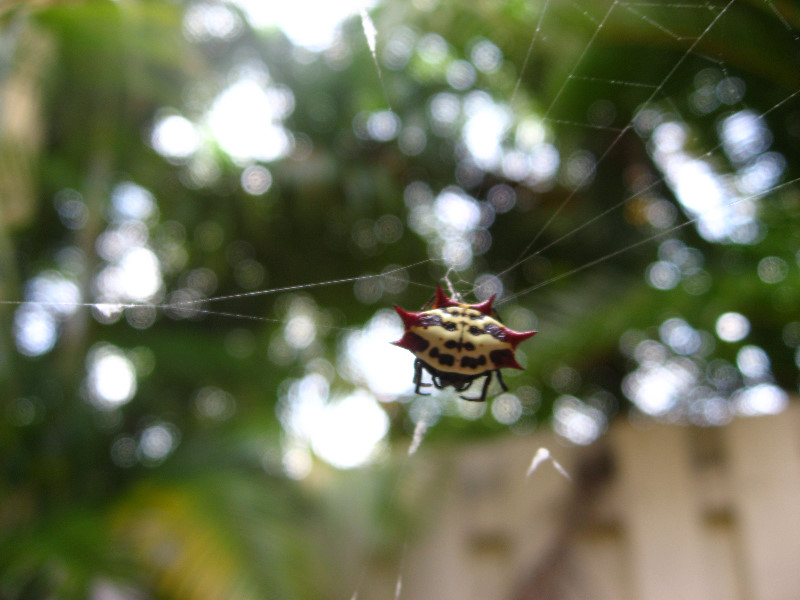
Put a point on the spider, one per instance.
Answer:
(464, 342)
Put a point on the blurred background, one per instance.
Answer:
(208, 209)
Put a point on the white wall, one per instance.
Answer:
(654, 512)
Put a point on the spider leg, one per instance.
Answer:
(500, 379)
(482, 397)
(463, 386)
(418, 378)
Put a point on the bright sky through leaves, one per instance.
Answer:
(309, 23)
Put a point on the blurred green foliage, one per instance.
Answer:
(83, 85)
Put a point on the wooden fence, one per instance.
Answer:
(653, 512)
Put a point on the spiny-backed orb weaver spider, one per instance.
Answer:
(463, 341)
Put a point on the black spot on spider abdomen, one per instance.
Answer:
(473, 363)
(495, 331)
(447, 360)
(429, 320)
(452, 344)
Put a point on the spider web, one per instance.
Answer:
(654, 95)
(654, 92)
(665, 23)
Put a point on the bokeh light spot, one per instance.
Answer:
(383, 125)
(371, 359)
(502, 197)
(157, 441)
(506, 409)
(256, 180)
(71, 209)
(132, 202)
(311, 24)
(300, 330)
(753, 362)
(461, 75)
(732, 327)
(576, 421)
(772, 269)
(432, 48)
(680, 336)
(762, 399)
(175, 138)
(350, 430)
(205, 21)
(214, 404)
(111, 377)
(412, 140)
(35, 330)
(486, 56)
(246, 120)
(663, 275)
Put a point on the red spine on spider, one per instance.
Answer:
(457, 343)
